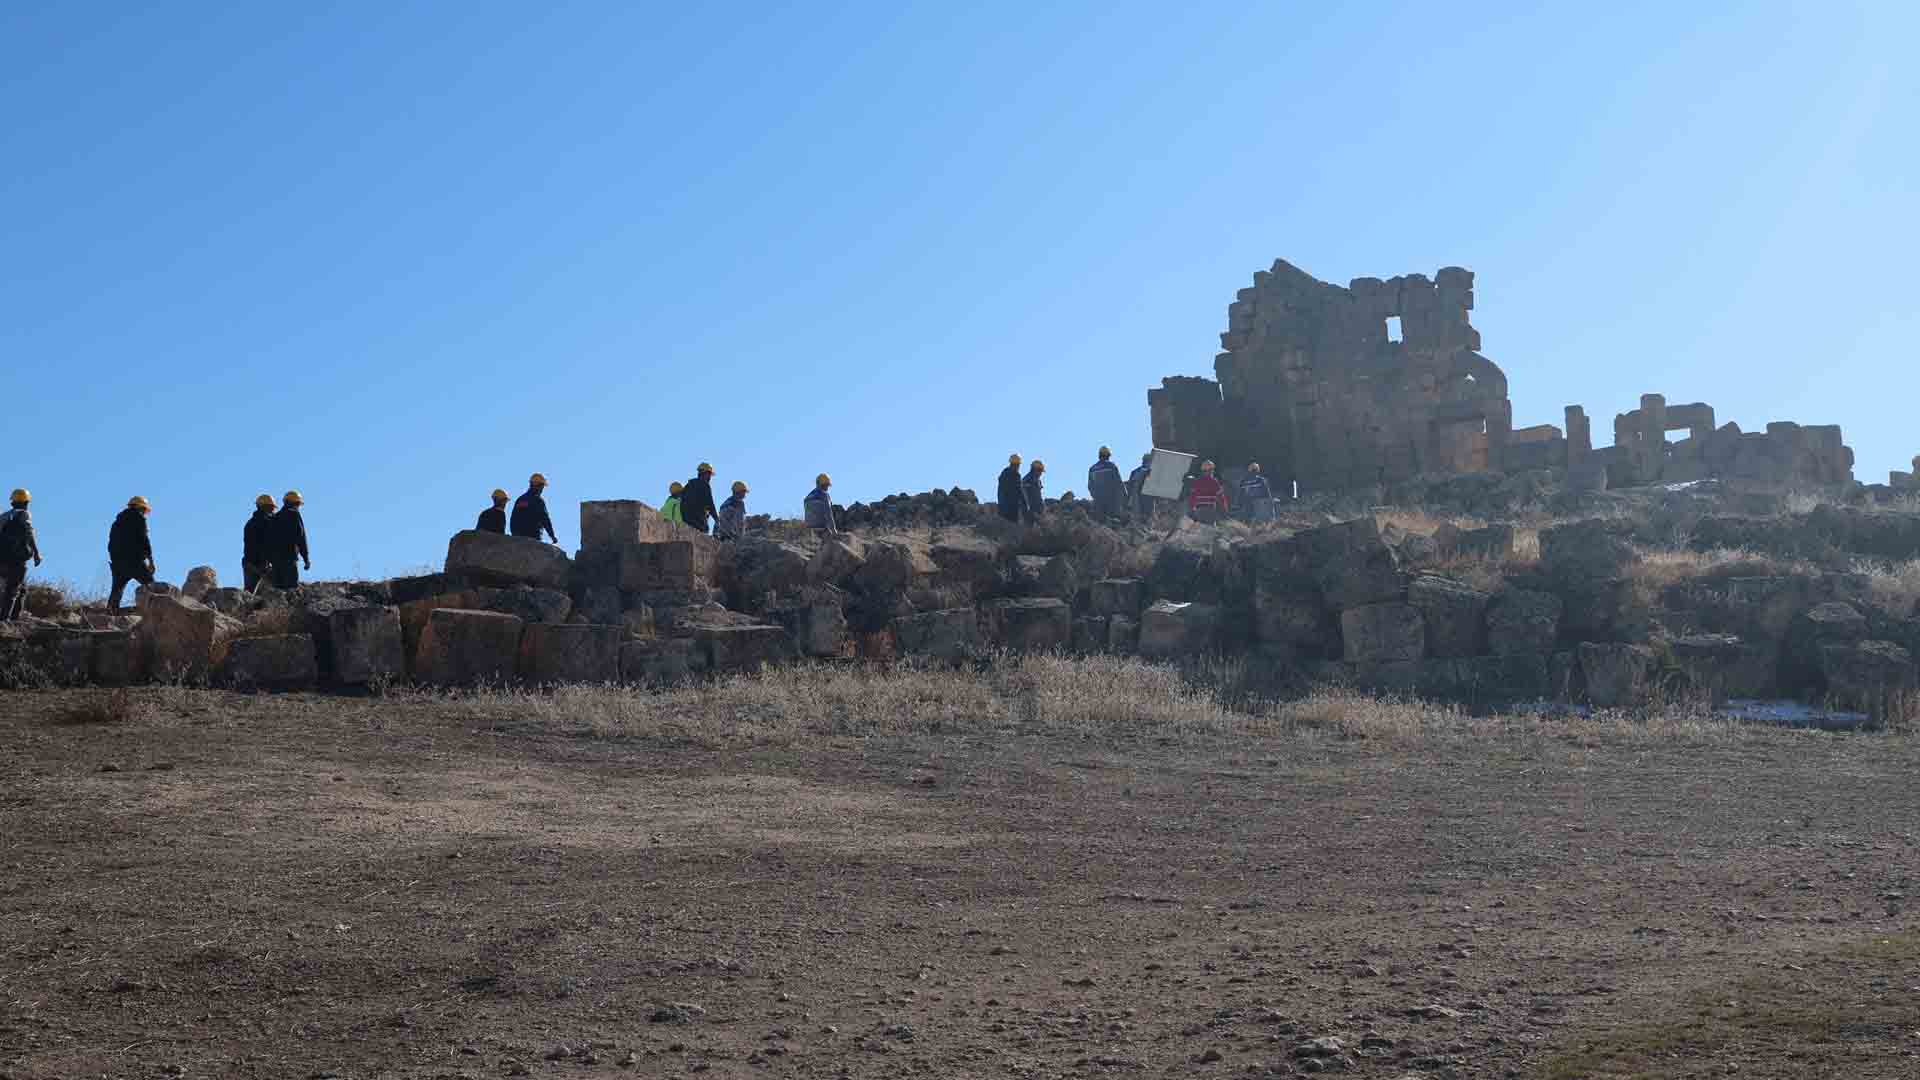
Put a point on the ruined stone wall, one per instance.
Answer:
(1786, 454)
(1313, 386)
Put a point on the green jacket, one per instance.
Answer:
(671, 511)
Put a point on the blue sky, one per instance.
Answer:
(396, 255)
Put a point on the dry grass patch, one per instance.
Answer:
(102, 707)
(1892, 586)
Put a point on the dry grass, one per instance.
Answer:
(1659, 568)
(52, 599)
(1893, 586)
(102, 707)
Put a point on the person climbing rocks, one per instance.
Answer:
(18, 544)
(256, 544)
(1012, 498)
(1256, 495)
(1207, 496)
(671, 508)
(1105, 486)
(731, 522)
(129, 549)
(696, 499)
(289, 542)
(1136, 487)
(1036, 499)
(494, 520)
(530, 517)
(817, 507)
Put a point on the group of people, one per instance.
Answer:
(1023, 498)
(273, 547)
(691, 504)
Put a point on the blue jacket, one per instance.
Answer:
(1254, 486)
(818, 507)
(731, 522)
(1105, 485)
(1036, 499)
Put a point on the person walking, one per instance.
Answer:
(289, 538)
(530, 516)
(1036, 498)
(1105, 486)
(129, 550)
(1012, 497)
(817, 507)
(1256, 495)
(731, 522)
(256, 544)
(1207, 496)
(671, 508)
(696, 499)
(1136, 488)
(494, 520)
(18, 544)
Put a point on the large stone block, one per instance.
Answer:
(820, 629)
(570, 653)
(661, 662)
(527, 603)
(273, 662)
(1031, 624)
(764, 567)
(1090, 634)
(1521, 621)
(414, 615)
(1725, 668)
(1117, 596)
(367, 645)
(182, 639)
(1295, 618)
(1351, 563)
(1171, 629)
(612, 524)
(1455, 615)
(1123, 634)
(743, 648)
(839, 556)
(1584, 551)
(464, 648)
(1383, 633)
(1811, 631)
(670, 564)
(1044, 575)
(492, 559)
(1616, 675)
(969, 560)
(893, 564)
(944, 635)
(1872, 676)
(114, 659)
(201, 580)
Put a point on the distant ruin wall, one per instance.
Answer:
(1315, 384)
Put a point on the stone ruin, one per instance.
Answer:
(1315, 384)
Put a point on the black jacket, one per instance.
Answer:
(493, 520)
(696, 502)
(256, 542)
(128, 543)
(530, 517)
(1036, 496)
(289, 536)
(1012, 497)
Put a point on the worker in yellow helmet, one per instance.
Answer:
(289, 542)
(129, 549)
(696, 499)
(1105, 484)
(530, 515)
(818, 505)
(256, 544)
(1034, 489)
(1011, 496)
(731, 522)
(495, 519)
(17, 545)
(671, 508)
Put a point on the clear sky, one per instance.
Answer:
(396, 255)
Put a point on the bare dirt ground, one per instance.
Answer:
(302, 886)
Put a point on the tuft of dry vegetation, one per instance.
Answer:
(102, 707)
(1893, 586)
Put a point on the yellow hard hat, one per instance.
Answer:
(263, 502)
(22, 495)
(292, 498)
(538, 479)
(500, 494)
(139, 502)
(823, 480)
(676, 488)
(704, 468)
(1255, 467)
(1106, 451)
(1013, 459)
(739, 487)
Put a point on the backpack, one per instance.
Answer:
(13, 539)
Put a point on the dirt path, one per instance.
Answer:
(310, 887)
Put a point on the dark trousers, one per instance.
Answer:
(286, 572)
(123, 574)
(13, 588)
(700, 524)
(252, 573)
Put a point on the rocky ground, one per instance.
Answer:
(204, 884)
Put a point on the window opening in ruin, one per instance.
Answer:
(1393, 328)
(1471, 379)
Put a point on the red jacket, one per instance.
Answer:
(1207, 493)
